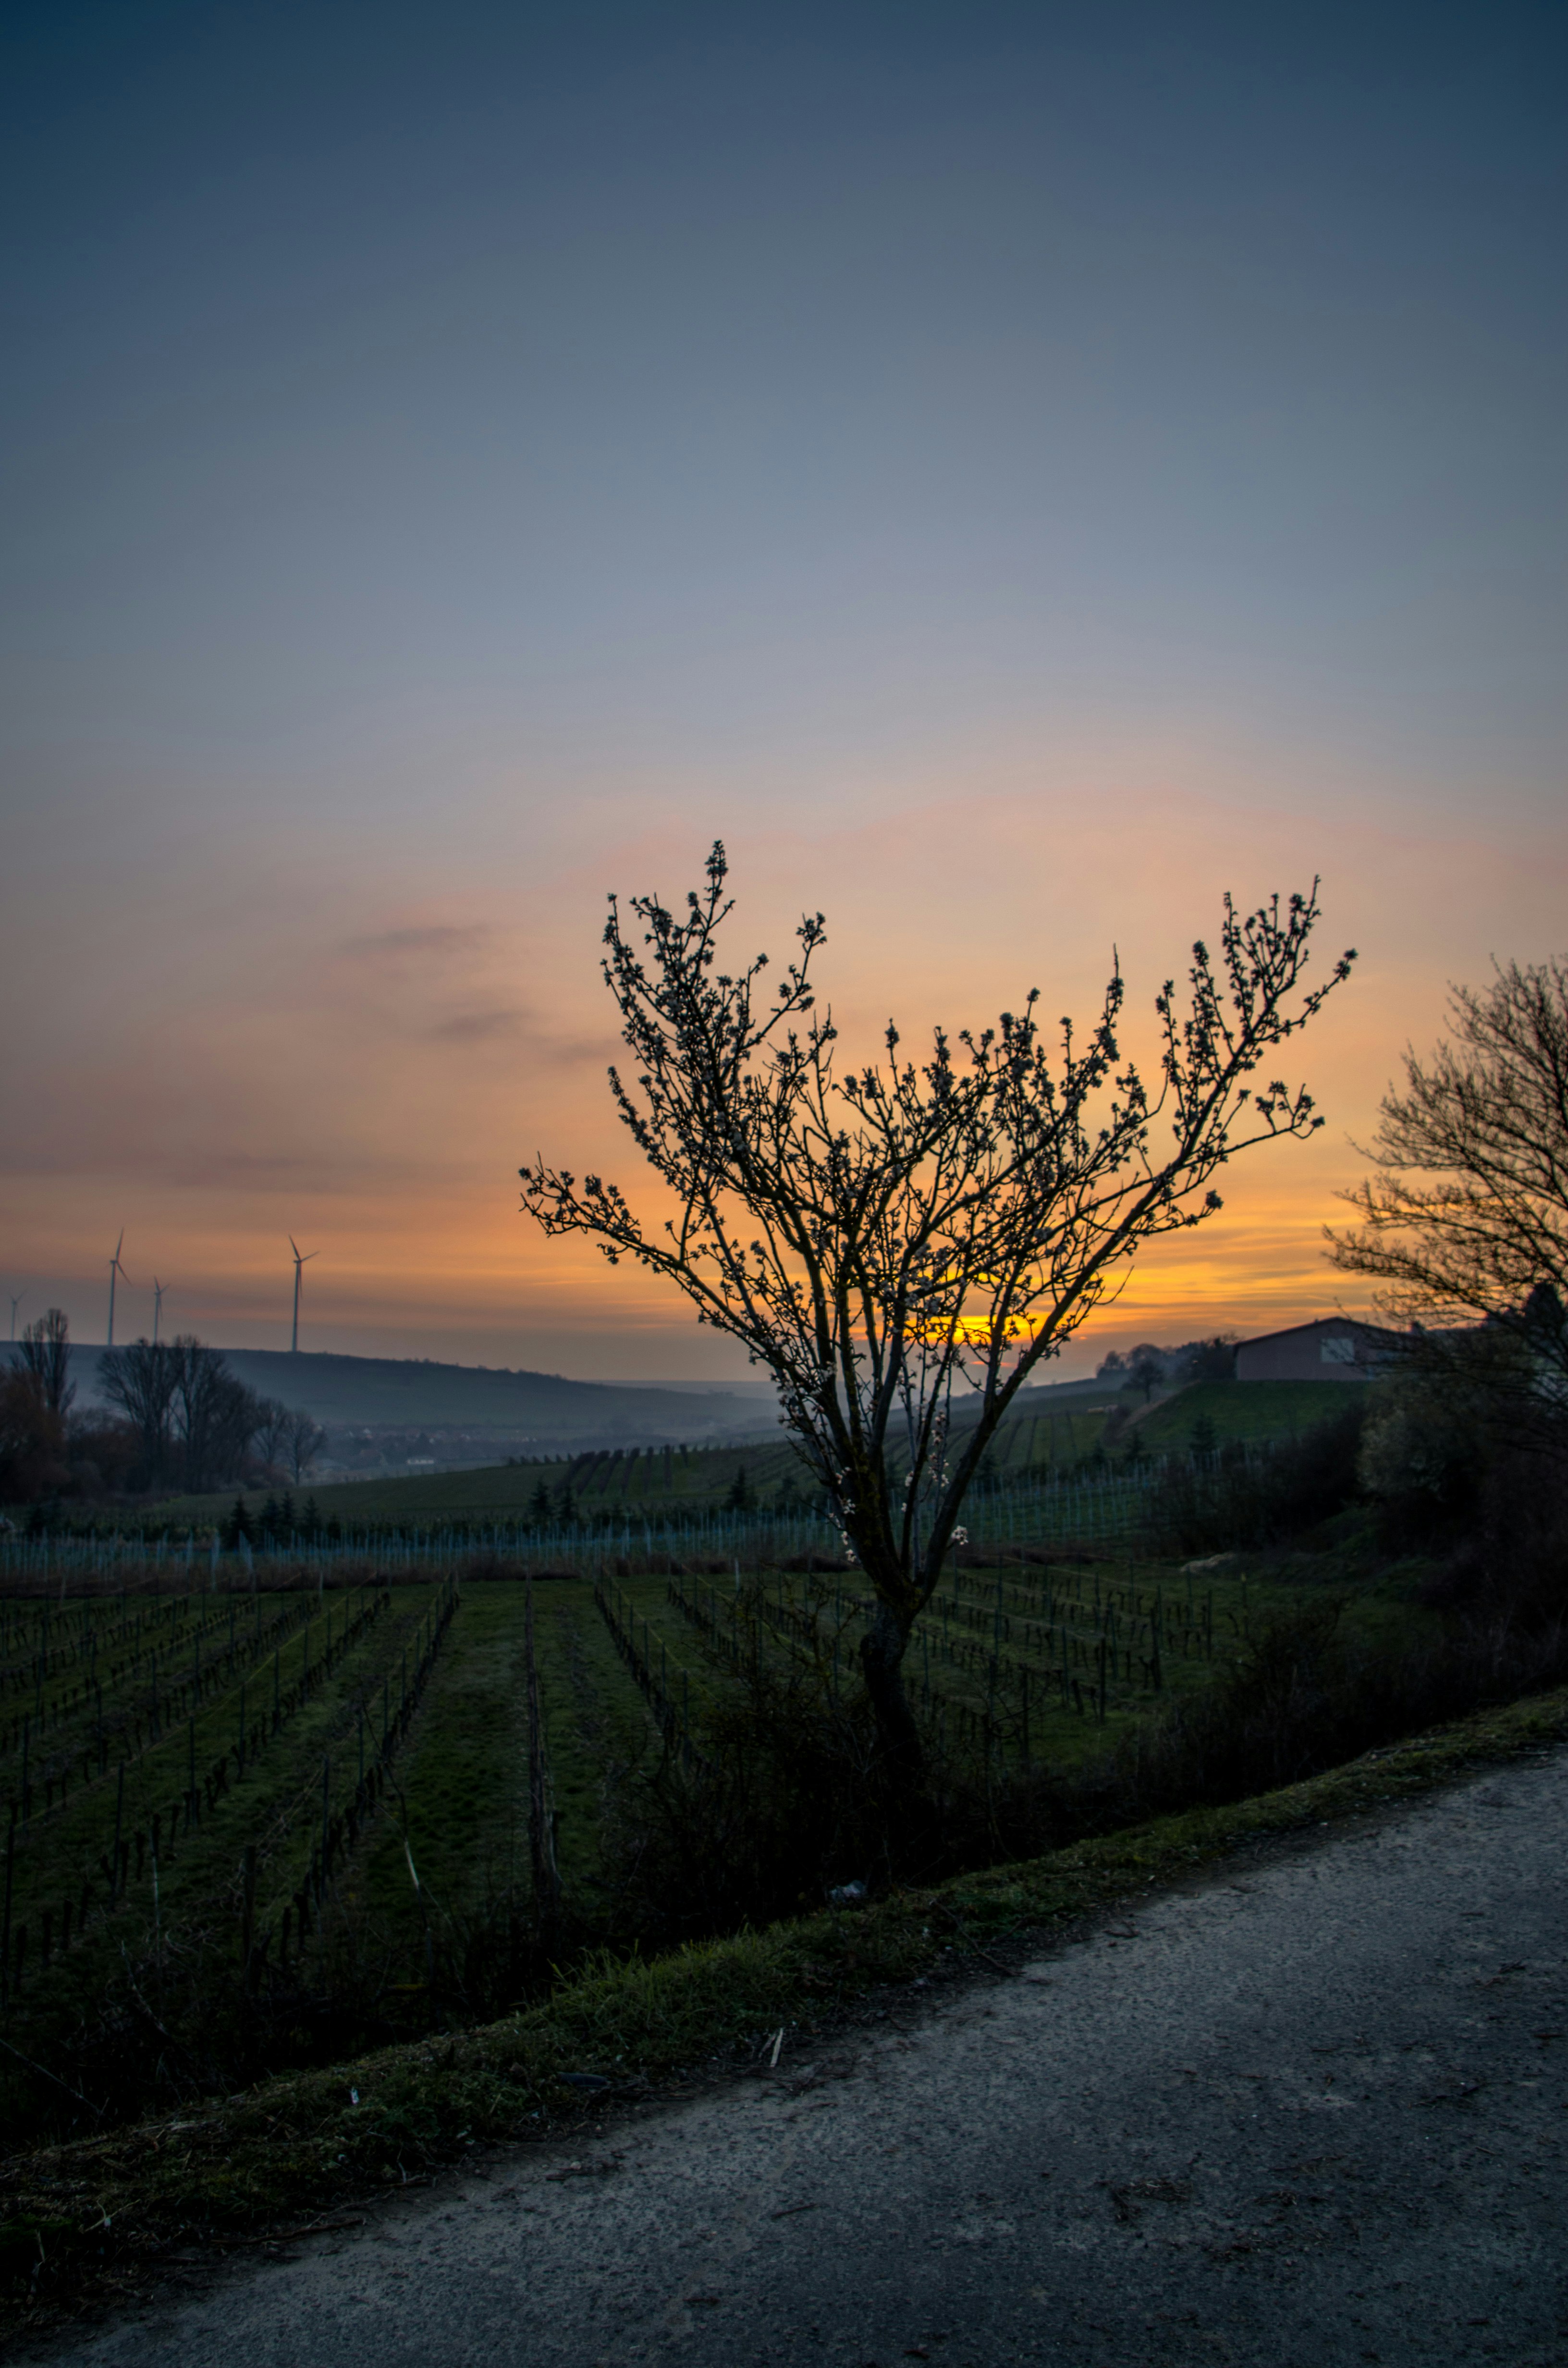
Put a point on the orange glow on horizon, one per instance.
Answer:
(368, 1064)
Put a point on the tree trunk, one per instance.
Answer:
(881, 1659)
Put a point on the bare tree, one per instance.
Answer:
(32, 1440)
(142, 1380)
(1467, 1213)
(208, 1414)
(274, 1425)
(46, 1355)
(879, 1239)
(304, 1442)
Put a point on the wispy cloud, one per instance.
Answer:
(480, 1027)
(436, 937)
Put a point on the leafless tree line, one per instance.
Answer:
(196, 1421)
(184, 1420)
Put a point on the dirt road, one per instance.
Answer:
(1310, 2110)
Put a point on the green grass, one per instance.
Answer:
(604, 1480)
(464, 1781)
(1251, 1411)
(175, 1911)
(312, 2142)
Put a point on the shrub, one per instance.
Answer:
(1247, 1498)
(1422, 1458)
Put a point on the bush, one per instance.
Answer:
(1304, 1695)
(1423, 1455)
(1511, 1562)
(1247, 1498)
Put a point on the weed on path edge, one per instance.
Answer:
(94, 2220)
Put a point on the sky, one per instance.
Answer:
(1013, 473)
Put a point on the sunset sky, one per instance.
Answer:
(1013, 473)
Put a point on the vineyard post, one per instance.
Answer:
(194, 1815)
(546, 1882)
(118, 1823)
(325, 1811)
(26, 1737)
(248, 1920)
(5, 1932)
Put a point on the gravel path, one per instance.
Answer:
(1308, 2109)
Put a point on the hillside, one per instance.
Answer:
(519, 1409)
(1251, 1411)
(636, 1480)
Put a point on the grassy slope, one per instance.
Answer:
(1252, 1411)
(655, 1478)
(633, 1483)
(310, 2142)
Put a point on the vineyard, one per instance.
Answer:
(1016, 1658)
(251, 1816)
(570, 1535)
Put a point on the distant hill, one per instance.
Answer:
(414, 1394)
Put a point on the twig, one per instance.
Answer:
(316, 2229)
(44, 2074)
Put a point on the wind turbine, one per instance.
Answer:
(17, 1299)
(299, 1264)
(115, 1269)
(157, 1308)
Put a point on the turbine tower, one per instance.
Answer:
(115, 1269)
(299, 1264)
(17, 1299)
(157, 1308)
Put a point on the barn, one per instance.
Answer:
(1333, 1349)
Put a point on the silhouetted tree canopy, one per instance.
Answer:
(881, 1237)
(46, 1355)
(1466, 1214)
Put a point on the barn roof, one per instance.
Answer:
(1318, 1324)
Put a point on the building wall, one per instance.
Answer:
(1336, 1349)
